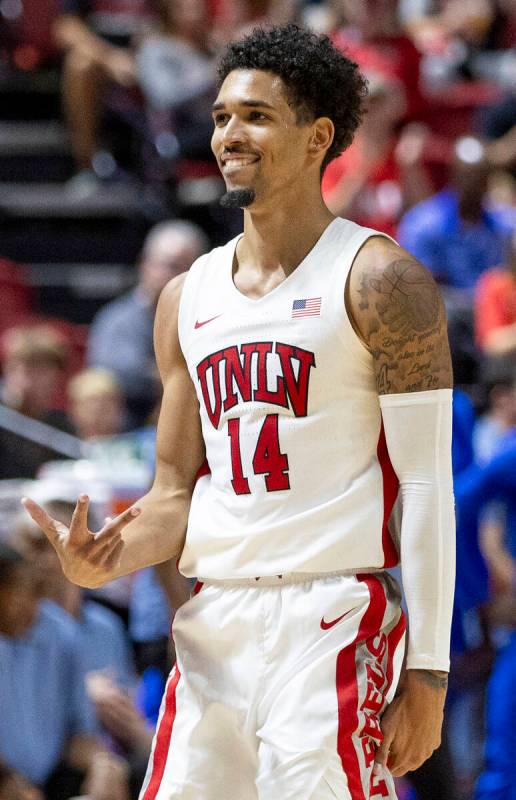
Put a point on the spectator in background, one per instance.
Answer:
(373, 181)
(154, 600)
(495, 308)
(471, 653)
(455, 34)
(498, 387)
(497, 779)
(96, 404)
(176, 75)
(236, 18)
(53, 743)
(13, 786)
(483, 484)
(121, 333)
(97, 37)
(372, 36)
(476, 487)
(102, 640)
(453, 233)
(149, 622)
(469, 19)
(102, 643)
(34, 362)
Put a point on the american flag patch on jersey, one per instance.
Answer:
(307, 307)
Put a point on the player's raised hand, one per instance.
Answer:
(87, 559)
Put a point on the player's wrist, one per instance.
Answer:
(436, 679)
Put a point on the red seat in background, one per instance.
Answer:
(450, 113)
(37, 21)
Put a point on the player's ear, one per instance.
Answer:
(321, 136)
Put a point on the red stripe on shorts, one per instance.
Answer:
(347, 685)
(164, 733)
(390, 492)
(393, 640)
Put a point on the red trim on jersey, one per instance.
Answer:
(393, 640)
(163, 735)
(204, 469)
(390, 492)
(347, 686)
(197, 588)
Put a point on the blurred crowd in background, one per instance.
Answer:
(123, 89)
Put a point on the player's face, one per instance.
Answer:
(258, 141)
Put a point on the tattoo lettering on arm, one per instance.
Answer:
(383, 381)
(399, 312)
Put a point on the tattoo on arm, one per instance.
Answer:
(405, 327)
(434, 679)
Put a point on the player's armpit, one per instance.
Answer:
(397, 310)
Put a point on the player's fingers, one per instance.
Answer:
(383, 752)
(106, 532)
(114, 557)
(79, 523)
(47, 524)
(402, 766)
(100, 547)
(406, 756)
(123, 519)
(397, 770)
(389, 726)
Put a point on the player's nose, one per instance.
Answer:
(234, 132)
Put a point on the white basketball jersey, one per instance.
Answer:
(299, 478)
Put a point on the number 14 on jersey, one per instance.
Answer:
(268, 460)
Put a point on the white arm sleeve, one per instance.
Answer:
(418, 428)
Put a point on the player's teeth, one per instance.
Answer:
(236, 162)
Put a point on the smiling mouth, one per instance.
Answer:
(235, 163)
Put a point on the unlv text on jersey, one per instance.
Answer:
(244, 369)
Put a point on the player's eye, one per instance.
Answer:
(257, 116)
(220, 119)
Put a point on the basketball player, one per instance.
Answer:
(307, 361)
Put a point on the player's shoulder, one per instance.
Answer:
(168, 304)
(382, 258)
(378, 251)
(172, 291)
(390, 288)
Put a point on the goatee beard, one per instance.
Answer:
(238, 198)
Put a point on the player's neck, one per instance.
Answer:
(282, 236)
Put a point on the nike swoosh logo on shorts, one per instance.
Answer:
(326, 625)
(205, 321)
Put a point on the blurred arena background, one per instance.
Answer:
(107, 190)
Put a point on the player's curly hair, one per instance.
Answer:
(320, 80)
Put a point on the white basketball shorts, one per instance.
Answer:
(278, 691)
